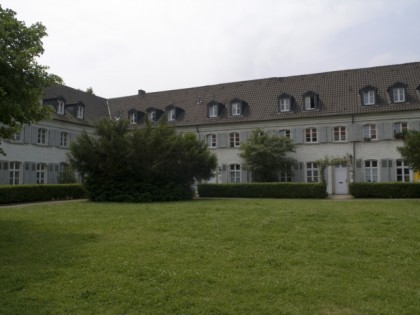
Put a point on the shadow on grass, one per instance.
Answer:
(33, 257)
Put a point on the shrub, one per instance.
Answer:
(385, 190)
(31, 193)
(263, 190)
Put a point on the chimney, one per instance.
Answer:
(142, 93)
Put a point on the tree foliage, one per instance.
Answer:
(266, 155)
(22, 79)
(153, 163)
(410, 151)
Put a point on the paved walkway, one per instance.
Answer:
(340, 197)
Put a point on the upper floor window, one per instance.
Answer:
(172, 114)
(371, 171)
(133, 118)
(368, 95)
(284, 104)
(60, 108)
(369, 132)
(398, 92)
(42, 136)
(399, 129)
(213, 110)
(80, 112)
(236, 109)
(312, 172)
(284, 133)
(234, 139)
(64, 139)
(339, 134)
(235, 173)
(211, 141)
(17, 137)
(311, 100)
(311, 135)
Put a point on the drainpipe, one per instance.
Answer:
(109, 110)
(353, 162)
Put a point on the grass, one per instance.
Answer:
(211, 257)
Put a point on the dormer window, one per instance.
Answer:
(172, 114)
(368, 95)
(236, 109)
(133, 118)
(398, 93)
(311, 100)
(152, 116)
(80, 112)
(213, 110)
(60, 108)
(285, 104)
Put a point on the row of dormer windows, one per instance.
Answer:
(76, 109)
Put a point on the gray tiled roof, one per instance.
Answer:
(338, 94)
(95, 106)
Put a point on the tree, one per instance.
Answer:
(22, 79)
(410, 151)
(89, 90)
(266, 155)
(148, 164)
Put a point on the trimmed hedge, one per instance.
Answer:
(263, 190)
(31, 193)
(385, 190)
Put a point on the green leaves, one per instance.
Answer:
(410, 151)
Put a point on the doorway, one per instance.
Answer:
(340, 180)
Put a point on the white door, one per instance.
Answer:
(340, 180)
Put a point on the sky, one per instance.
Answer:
(119, 47)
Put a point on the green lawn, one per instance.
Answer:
(212, 257)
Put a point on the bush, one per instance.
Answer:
(263, 190)
(385, 190)
(31, 193)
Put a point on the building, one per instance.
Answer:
(359, 114)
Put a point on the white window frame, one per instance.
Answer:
(41, 173)
(17, 137)
(234, 140)
(237, 109)
(172, 114)
(152, 116)
(403, 172)
(369, 132)
(371, 171)
(312, 172)
(369, 97)
(310, 102)
(235, 173)
(211, 141)
(311, 135)
(15, 171)
(339, 134)
(133, 118)
(213, 110)
(398, 95)
(42, 136)
(284, 104)
(80, 112)
(60, 108)
(64, 139)
(285, 133)
(399, 127)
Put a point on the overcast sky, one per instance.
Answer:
(119, 47)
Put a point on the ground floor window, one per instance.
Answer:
(235, 173)
(41, 171)
(312, 172)
(403, 171)
(285, 176)
(371, 171)
(14, 173)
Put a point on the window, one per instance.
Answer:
(80, 112)
(284, 104)
(14, 173)
(285, 176)
(371, 171)
(369, 132)
(403, 171)
(211, 141)
(235, 173)
(133, 118)
(284, 133)
(312, 172)
(339, 134)
(311, 135)
(152, 116)
(42, 136)
(213, 110)
(17, 137)
(41, 170)
(236, 109)
(234, 139)
(369, 97)
(310, 100)
(172, 114)
(64, 139)
(60, 108)
(398, 95)
(399, 129)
